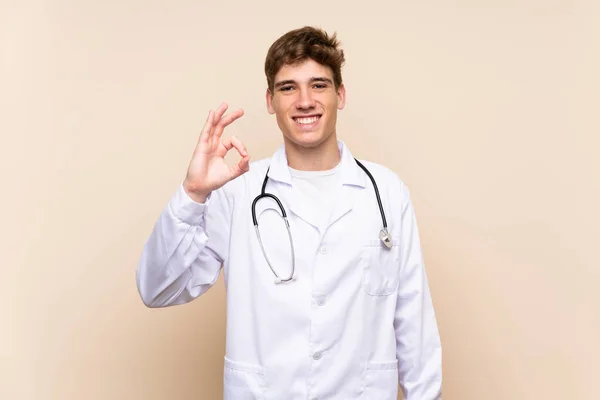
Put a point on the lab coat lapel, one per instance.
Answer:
(353, 185)
(352, 179)
(293, 200)
(300, 206)
(347, 197)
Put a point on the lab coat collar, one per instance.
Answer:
(351, 173)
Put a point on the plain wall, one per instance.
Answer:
(488, 110)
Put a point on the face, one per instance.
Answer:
(305, 102)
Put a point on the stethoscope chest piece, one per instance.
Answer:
(385, 238)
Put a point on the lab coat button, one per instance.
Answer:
(317, 355)
(321, 300)
(323, 250)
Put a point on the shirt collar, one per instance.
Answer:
(351, 173)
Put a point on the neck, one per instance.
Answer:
(323, 157)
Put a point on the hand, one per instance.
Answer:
(207, 170)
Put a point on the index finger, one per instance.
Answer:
(226, 120)
(207, 128)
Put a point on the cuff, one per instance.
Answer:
(186, 209)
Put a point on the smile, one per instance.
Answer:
(307, 121)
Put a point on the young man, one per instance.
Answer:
(328, 304)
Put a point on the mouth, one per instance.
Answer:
(307, 122)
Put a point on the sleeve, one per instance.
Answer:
(417, 338)
(182, 258)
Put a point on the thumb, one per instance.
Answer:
(241, 167)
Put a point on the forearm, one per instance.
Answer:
(177, 265)
(419, 348)
(417, 337)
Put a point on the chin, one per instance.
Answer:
(307, 139)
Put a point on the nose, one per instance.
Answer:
(305, 99)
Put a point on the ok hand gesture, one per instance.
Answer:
(207, 170)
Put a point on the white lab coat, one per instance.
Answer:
(357, 320)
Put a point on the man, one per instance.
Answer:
(336, 307)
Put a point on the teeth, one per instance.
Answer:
(307, 121)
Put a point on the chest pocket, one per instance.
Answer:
(381, 267)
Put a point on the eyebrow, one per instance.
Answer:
(311, 80)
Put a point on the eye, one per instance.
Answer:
(320, 85)
(285, 88)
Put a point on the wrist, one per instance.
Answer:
(199, 196)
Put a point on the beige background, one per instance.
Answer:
(487, 110)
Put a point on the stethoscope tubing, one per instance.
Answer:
(384, 232)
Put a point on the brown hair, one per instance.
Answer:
(301, 44)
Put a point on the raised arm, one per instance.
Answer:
(182, 257)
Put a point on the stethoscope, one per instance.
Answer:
(383, 234)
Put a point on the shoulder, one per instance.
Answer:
(390, 180)
(394, 193)
(392, 189)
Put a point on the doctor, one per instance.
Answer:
(337, 307)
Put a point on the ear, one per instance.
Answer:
(341, 95)
(269, 98)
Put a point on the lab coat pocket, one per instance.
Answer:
(381, 267)
(381, 380)
(243, 381)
